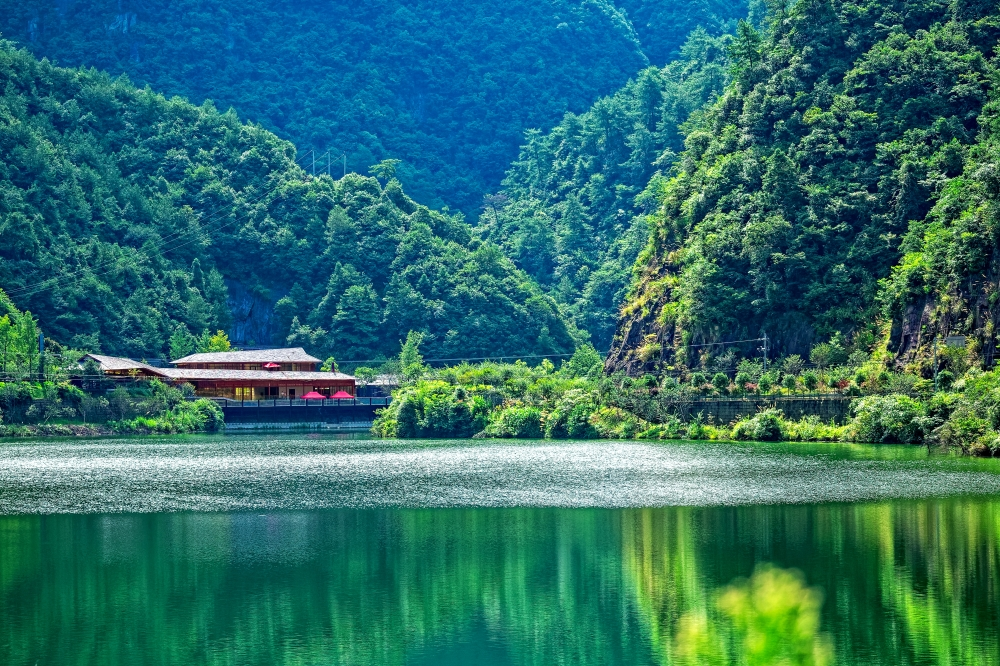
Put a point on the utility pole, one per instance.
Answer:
(41, 357)
(935, 364)
(345, 163)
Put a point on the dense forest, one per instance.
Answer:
(127, 218)
(568, 213)
(448, 88)
(843, 186)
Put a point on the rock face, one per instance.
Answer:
(643, 343)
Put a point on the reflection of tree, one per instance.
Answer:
(904, 583)
(943, 590)
(661, 566)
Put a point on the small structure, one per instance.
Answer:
(123, 367)
(243, 375)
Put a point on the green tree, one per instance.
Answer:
(26, 336)
(7, 340)
(410, 359)
(385, 170)
(213, 342)
(182, 343)
(720, 381)
(356, 322)
(745, 49)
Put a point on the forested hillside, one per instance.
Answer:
(568, 212)
(125, 215)
(447, 87)
(844, 184)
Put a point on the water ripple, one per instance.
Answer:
(247, 473)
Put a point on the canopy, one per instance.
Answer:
(341, 395)
(312, 395)
(271, 366)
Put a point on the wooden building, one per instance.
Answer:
(266, 374)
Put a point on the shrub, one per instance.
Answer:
(810, 379)
(766, 383)
(696, 429)
(766, 426)
(672, 428)
(789, 382)
(743, 379)
(720, 381)
(517, 422)
(571, 417)
(432, 408)
(888, 418)
(616, 423)
(698, 379)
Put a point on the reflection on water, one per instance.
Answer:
(905, 582)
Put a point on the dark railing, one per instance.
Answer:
(344, 402)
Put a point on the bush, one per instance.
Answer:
(616, 423)
(199, 416)
(571, 417)
(766, 383)
(789, 382)
(810, 379)
(766, 426)
(720, 381)
(432, 408)
(888, 418)
(698, 379)
(516, 422)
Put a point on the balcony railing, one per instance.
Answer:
(345, 402)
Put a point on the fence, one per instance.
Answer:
(724, 409)
(356, 412)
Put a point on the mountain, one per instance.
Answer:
(447, 87)
(842, 185)
(125, 215)
(568, 212)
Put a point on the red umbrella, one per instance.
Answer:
(271, 366)
(312, 395)
(341, 395)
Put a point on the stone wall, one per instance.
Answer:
(727, 410)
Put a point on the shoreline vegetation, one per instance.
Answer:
(578, 401)
(575, 400)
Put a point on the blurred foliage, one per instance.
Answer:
(771, 619)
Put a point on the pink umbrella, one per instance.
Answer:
(341, 395)
(312, 395)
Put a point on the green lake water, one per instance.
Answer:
(314, 550)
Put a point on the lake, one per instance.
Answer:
(260, 550)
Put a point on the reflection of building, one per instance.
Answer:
(241, 375)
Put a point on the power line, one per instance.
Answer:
(731, 342)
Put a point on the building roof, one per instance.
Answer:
(115, 364)
(252, 375)
(290, 355)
